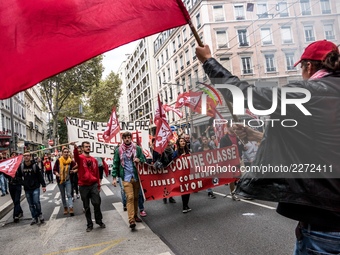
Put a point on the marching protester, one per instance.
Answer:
(89, 184)
(313, 202)
(62, 169)
(182, 149)
(48, 169)
(31, 176)
(125, 158)
(15, 188)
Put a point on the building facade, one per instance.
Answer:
(258, 41)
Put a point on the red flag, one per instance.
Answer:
(112, 127)
(168, 108)
(42, 38)
(138, 140)
(163, 135)
(159, 112)
(10, 166)
(190, 99)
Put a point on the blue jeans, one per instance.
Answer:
(3, 183)
(66, 186)
(33, 199)
(315, 242)
(140, 196)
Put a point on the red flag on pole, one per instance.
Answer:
(10, 166)
(42, 38)
(168, 108)
(112, 127)
(159, 112)
(163, 135)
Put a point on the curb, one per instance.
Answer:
(8, 206)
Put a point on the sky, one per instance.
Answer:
(113, 59)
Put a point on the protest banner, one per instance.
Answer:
(81, 130)
(190, 173)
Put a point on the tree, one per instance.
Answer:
(104, 97)
(76, 81)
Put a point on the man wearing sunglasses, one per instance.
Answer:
(89, 184)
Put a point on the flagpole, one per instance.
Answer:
(200, 43)
(49, 148)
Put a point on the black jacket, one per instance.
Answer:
(315, 140)
(31, 176)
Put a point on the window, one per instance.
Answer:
(325, 7)
(185, 35)
(239, 12)
(283, 9)
(270, 66)
(266, 36)
(309, 33)
(187, 57)
(218, 13)
(181, 62)
(169, 74)
(290, 61)
(162, 59)
(198, 20)
(305, 7)
(174, 45)
(166, 54)
(179, 41)
(176, 66)
(221, 38)
(246, 65)
(193, 51)
(329, 32)
(262, 11)
(242, 37)
(286, 34)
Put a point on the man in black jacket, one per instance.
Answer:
(313, 142)
(32, 178)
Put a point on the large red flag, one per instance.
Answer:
(42, 38)
(10, 166)
(168, 108)
(112, 127)
(163, 135)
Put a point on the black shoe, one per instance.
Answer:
(34, 221)
(211, 195)
(16, 219)
(165, 200)
(124, 208)
(6, 192)
(132, 225)
(41, 218)
(172, 200)
(3, 195)
(89, 229)
(102, 225)
(188, 209)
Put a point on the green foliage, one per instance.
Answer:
(104, 97)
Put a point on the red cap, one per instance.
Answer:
(318, 51)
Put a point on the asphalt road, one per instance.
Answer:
(214, 226)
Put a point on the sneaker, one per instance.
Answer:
(3, 195)
(16, 219)
(211, 195)
(142, 213)
(89, 229)
(234, 197)
(78, 196)
(124, 208)
(34, 221)
(71, 211)
(165, 200)
(185, 210)
(172, 200)
(138, 219)
(41, 218)
(188, 209)
(102, 225)
(132, 225)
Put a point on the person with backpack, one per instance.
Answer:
(32, 178)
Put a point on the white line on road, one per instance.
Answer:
(55, 212)
(105, 181)
(107, 191)
(57, 196)
(247, 201)
(51, 186)
(119, 209)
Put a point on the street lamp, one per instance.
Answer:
(185, 108)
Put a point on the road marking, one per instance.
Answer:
(119, 208)
(105, 181)
(51, 186)
(247, 201)
(107, 191)
(55, 212)
(57, 196)
(111, 244)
